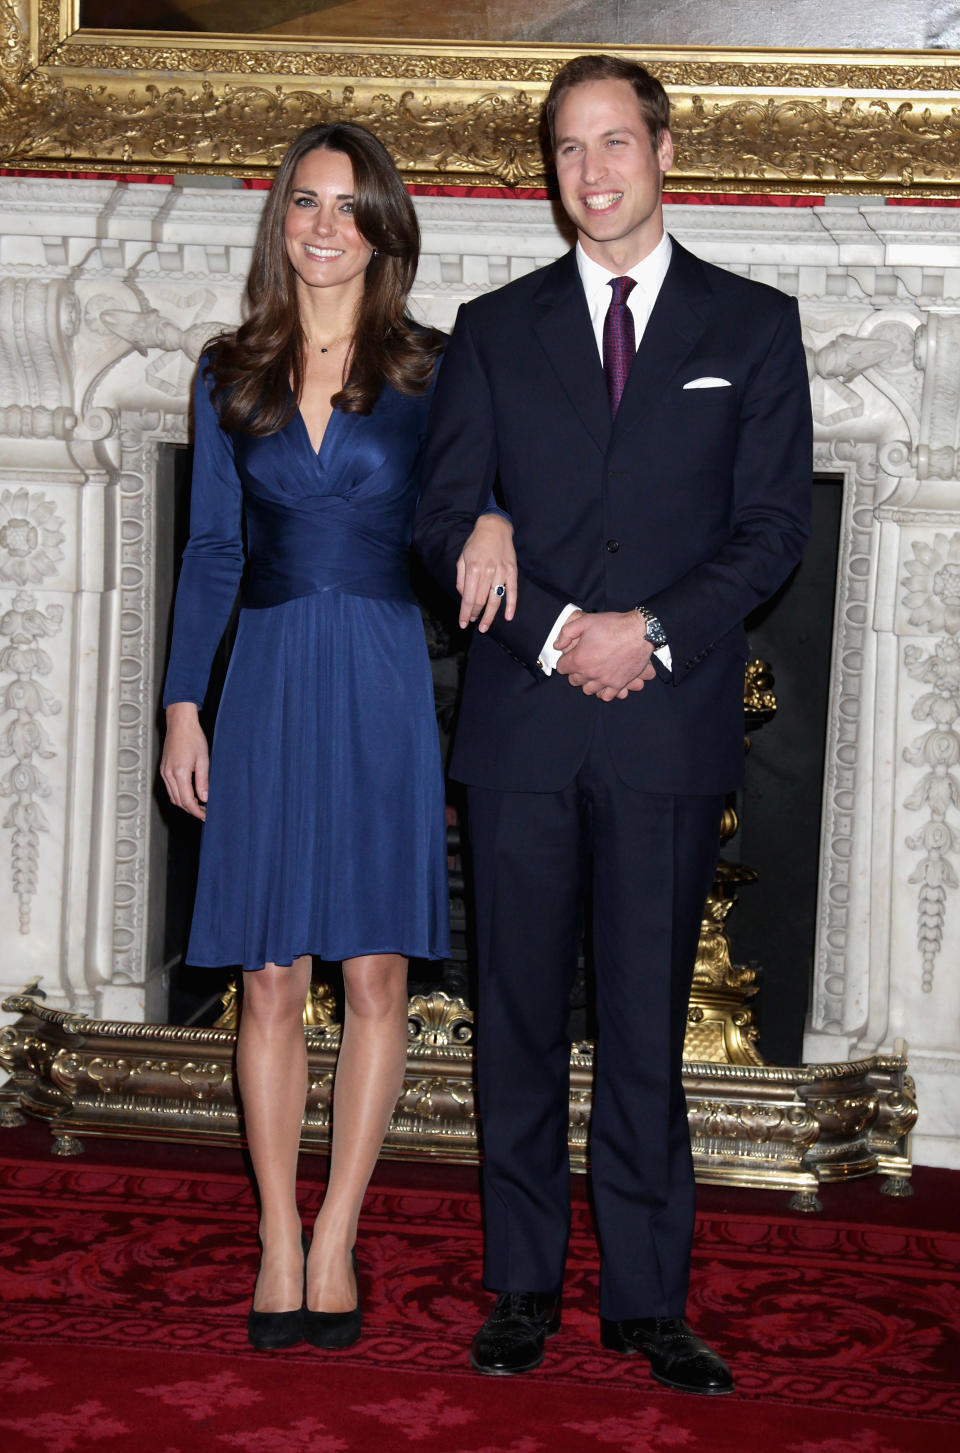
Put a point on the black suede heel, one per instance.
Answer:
(334, 1330)
(271, 1331)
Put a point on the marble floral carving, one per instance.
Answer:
(24, 701)
(932, 598)
(31, 533)
(933, 584)
(936, 753)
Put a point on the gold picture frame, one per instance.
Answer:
(761, 121)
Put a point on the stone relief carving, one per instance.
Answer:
(31, 533)
(837, 942)
(136, 706)
(165, 326)
(37, 323)
(932, 598)
(932, 585)
(150, 329)
(841, 360)
(903, 431)
(25, 700)
(866, 389)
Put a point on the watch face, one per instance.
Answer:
(655, 633)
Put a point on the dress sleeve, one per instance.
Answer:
(213, 559)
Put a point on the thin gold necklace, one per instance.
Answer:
(334, 342)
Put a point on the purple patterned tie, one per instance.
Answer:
(619, 346)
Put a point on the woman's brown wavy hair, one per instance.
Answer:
(258, 371)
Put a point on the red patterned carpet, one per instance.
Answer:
(126, 1276)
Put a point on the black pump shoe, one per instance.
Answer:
(271, 1331)
(334, 1330)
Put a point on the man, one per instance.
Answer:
(647, 419)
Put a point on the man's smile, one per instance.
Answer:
(600, 201)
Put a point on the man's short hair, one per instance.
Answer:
(653, 99)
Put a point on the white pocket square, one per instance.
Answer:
(708, 383)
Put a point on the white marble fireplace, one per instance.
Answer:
(107, 294)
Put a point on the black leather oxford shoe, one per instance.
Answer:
(678, 1357)
(511, 1339)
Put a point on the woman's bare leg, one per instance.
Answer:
(370, 1069)
(272, 1078)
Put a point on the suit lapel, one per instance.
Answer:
(676, 323)
(566, 334)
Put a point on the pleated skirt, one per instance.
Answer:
(325, 830)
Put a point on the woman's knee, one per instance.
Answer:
(275, 994)
(376, 986)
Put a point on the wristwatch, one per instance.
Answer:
(654, 633)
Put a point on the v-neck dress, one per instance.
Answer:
(325, 830)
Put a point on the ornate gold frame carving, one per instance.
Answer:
(750, 1125)
(746, 121)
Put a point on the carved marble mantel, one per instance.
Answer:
(107, 294)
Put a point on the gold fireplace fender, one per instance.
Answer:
(750, 1125)
(745, 120)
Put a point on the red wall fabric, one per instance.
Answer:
(515, 194)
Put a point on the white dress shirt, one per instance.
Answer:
(648, 275)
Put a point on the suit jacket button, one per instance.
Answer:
(613, 546)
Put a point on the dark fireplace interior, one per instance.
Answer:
(774, 924)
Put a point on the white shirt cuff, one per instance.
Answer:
(549, 655)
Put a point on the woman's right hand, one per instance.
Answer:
(487, 561)
(185, 764)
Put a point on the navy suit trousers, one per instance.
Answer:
(649, 859)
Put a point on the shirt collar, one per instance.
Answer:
(648, 274)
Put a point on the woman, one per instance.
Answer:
(324, 823)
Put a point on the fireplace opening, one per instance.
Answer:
(773, 926)
(194, 993)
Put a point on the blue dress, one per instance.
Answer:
(325, 829)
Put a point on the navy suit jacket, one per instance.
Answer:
(694, 502)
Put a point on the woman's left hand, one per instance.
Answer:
(487, 572)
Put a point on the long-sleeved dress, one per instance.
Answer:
(325, 821)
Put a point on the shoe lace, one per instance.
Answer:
(525, 1305)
